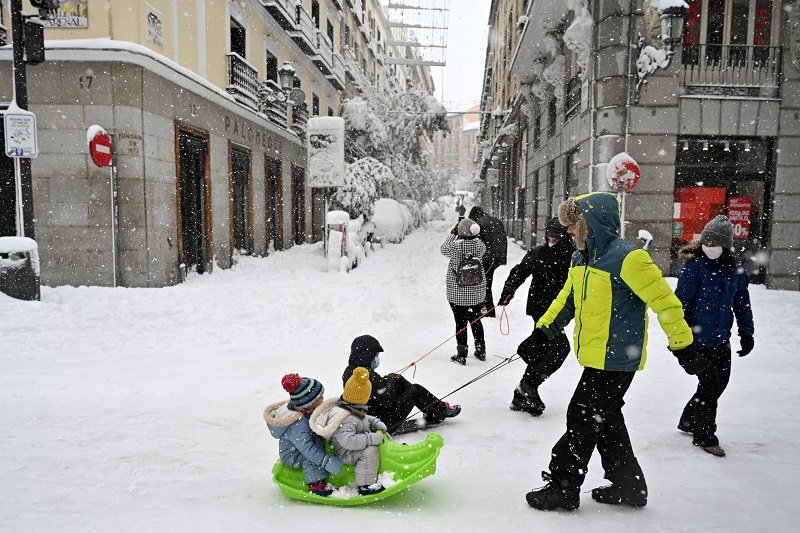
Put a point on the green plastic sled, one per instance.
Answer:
(409, 463)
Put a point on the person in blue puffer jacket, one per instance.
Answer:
(298, 446)
(712, 287)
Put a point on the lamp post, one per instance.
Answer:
(672, 21)
(651, 58)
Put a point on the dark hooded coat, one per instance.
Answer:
(493, 234)
(712, 291)
(547, 267)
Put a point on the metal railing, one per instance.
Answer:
(324, 54)
(282, 10)
(731, 70)
(337, 75)
(272, 105)
(572, 97)
(300, 120)
(242, 80)
(305, 32)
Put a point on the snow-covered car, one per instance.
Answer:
(391, 220)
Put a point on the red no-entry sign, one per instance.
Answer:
(99, 146)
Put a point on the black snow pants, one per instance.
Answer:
(540, 366)
(543, 364)
(700, 414)
(594, 419)
(463, 315)
(402, 397)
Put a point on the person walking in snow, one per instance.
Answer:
(393, 397)
(609, 287)
(713, 289)
(354, 435)
(466, 286)
(547, 265)
(493, 234)
(298, 446)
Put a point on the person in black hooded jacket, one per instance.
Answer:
(493, 234)
(393, 396)
(547, 265)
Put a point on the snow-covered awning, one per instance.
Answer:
(541, 14)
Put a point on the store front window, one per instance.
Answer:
(728, 176)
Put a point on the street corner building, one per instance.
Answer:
(207, 103)
(703, 94)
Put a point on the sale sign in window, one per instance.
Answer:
(740, 210)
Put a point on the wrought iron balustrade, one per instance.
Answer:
(242, 80)
(272, 102)
(300, 120)
(731, 70)
(282, 10)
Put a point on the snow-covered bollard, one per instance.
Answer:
(19, 268)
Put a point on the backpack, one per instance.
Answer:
(470, 272)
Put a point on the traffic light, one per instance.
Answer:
(47, 8)
(34, 42)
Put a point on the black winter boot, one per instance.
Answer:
(521, 403)
(628, 486)
(531, 393)
(480, 351)
(461, 354)
(554, 495)
(615, 495)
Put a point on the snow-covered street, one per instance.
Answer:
(140, 409)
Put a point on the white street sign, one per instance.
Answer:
(20, 133)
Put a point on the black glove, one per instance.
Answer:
(747, 343)
(506, 297)
(691, 362)
(536, 343)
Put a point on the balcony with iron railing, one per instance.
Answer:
(242, 80)
(305, 31)
(282, 11)
(337, 75)
(323, 56)
(300, 120)
(272, 102)
(731, 70)
(358, 11)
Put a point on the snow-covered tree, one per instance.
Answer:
(396, 130)
(367, 180)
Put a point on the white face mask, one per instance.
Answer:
(712, 252)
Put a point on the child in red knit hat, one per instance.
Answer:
(298, 446)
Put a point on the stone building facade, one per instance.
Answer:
(711, 119)
(210, 147)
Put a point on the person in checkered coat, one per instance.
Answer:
(465, 301)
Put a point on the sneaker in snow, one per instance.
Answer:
(452, 410)
(321, 488)
(716, 451)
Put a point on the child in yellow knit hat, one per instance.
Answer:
(352, 432)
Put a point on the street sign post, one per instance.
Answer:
(101, 150)
(623, 174)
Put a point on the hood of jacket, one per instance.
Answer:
(327, 418)
(476, 212)
(279, 417)
(601, 212)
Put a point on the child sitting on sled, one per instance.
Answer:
(352, 432)
(298, 446)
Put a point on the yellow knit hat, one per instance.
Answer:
(358, 387)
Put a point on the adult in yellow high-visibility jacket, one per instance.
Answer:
(611, 283)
